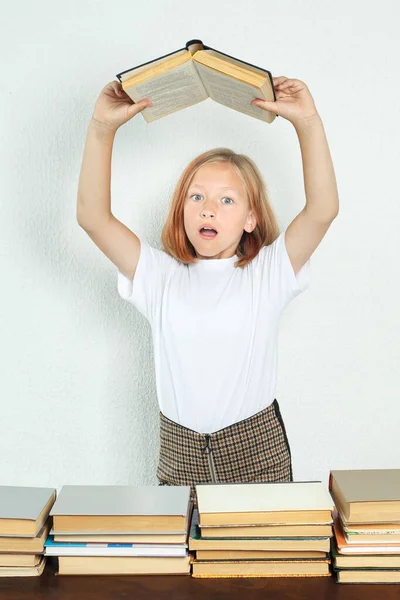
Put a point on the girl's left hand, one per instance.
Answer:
(293, 100)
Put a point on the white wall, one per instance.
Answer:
(78, 399)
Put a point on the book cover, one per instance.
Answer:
(263, 497)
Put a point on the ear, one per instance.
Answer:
(250, 223)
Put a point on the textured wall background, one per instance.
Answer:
(78, 400)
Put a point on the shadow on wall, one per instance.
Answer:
(44, 219)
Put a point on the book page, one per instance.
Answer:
(150, 65)
(233, 93)
(237, 62)
(172, 91)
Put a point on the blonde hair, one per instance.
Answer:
(174, 237)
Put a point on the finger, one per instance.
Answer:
(279, 80)
(139, 106)
(289, 83)
(116, 87)
(271, 106)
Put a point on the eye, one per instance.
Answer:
(194, 195)
(231, 201)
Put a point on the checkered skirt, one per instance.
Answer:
(253, 450)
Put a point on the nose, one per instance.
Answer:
(207, 212)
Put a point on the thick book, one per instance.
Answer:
(367, 495)
(118, 508)
(53, 548)
(365, 561)
(20, 560)
(368, 576)
(260, 568)
(26, 545)
(264, 503)
(123, 565)
(23, 510)
(32, 571)
(196, 542)
(194, 73)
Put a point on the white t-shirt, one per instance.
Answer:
(214, 330)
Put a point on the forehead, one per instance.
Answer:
(217, 175)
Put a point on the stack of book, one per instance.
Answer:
(261, 530)
(24, 527)
(366, 544)
(121, 530)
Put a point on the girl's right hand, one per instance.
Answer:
(114, 107)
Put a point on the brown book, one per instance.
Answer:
(368, 576)
(194, 73)
(23, 510)
(368, 495)
(260, 568)
(23, 571)
(283, 531)
(26, 545)
(256, 554)
(20, 560)
(125, 565)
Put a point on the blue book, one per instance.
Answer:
(53, 548)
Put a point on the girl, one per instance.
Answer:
(215, 295)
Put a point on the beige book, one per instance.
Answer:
(23, 510)
(264, 503)
(194, 73)
(106, 565)
(260, 569)
(367, 495)
(23, 571)
(30, 545)
(267, 531)
(20, 560)
(255, 554)
(360, 576)
(122, 509)
(368, 561)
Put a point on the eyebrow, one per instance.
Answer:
(221, 188)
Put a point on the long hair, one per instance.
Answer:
(174, 238)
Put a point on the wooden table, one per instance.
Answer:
(183, 587)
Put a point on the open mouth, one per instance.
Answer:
(208, 233)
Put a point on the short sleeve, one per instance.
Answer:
(283, 284)
(146, 289)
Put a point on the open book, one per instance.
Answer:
(193, 74)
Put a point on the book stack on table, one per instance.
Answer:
(261, 530)
(121, 530)
(24, 527)
(366, 544)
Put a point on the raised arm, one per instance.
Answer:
(295, 103)
(93, 213)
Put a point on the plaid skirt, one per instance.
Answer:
(253, 450)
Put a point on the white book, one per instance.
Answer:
(263, 497)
